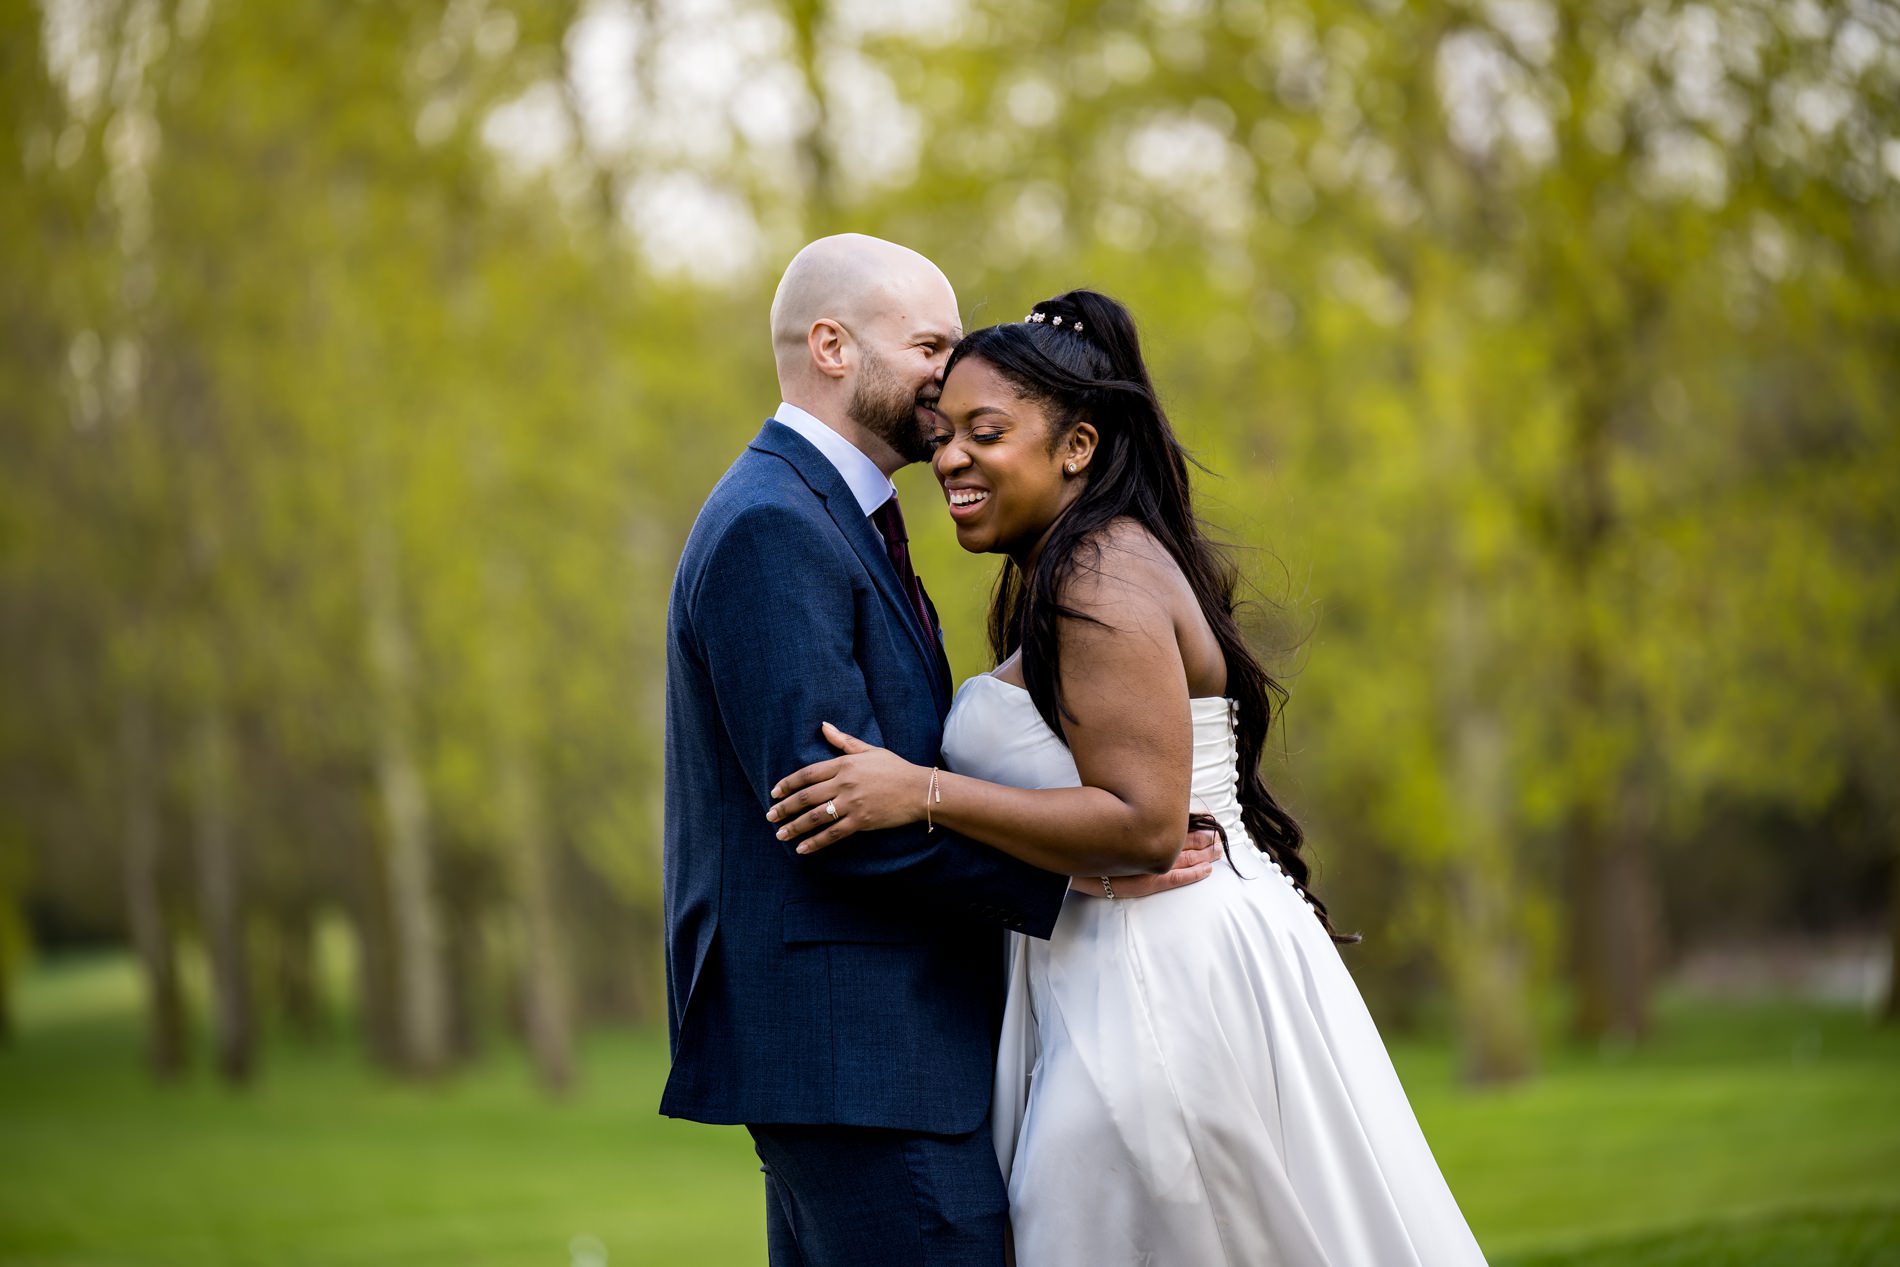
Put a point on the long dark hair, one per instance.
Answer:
(1078, 356)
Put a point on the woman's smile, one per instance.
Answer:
(966, 500)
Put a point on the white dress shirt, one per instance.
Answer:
(868, 484)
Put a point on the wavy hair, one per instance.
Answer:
(1079, 357)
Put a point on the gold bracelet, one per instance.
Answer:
(932, 793)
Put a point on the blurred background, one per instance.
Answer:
(365, 363)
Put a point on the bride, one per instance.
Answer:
(1191, 1077)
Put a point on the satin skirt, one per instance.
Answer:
(1193, 1079)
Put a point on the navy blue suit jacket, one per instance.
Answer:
(861, 985)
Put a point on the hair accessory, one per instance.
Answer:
(1038, 317)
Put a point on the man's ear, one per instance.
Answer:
(829, 346)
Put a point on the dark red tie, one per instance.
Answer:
(889, 519)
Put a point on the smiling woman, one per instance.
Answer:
(1007, 467)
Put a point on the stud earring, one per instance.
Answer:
(1072, 468)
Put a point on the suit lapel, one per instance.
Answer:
(822, 477)
(943, 660)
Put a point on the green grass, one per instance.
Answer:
(1766, 1136)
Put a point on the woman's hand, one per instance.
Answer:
(1204, 848)
(865, 789)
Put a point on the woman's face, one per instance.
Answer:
(1004, 481)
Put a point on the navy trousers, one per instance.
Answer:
(857, 1196)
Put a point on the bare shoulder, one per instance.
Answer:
(1122, 568)
(1129, 540)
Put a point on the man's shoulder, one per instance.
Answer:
(760, 512)
(760, 492)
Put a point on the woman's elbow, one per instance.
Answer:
(1159, 848)
(1146, 841)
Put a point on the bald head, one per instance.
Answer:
(858, 282)
(861, 331)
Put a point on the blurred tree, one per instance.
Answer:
(366, 367)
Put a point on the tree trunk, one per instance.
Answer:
(528, 842)
(646, 967)
(1484, 950)
(1612, 899)
(1634, 909)
(808, 20)
(466, 955)
(1613, 904)
(12, 952)
(1891, 1012)
(144, 892)
(1481, 947)
(1587, 844)
(295, 969)
(220, 900)
(1586, 897)
(410, 852)
(547, 1003)
(378, 1009)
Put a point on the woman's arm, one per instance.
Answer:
(1126, 687)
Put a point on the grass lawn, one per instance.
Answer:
(1760, 1136)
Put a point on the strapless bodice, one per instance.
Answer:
(994, 733)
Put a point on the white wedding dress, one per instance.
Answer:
(1192, 1079)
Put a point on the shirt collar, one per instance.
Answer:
(870, 486)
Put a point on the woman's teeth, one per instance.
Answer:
(966, 496)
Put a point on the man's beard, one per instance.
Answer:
(882, 407)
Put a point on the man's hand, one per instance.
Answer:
(1195, 864)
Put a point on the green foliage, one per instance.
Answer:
(1540, 355)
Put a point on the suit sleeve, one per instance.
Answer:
(780, 652)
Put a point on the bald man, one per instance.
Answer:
(843, 1005)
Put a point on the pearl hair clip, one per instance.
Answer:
(1039, 316)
